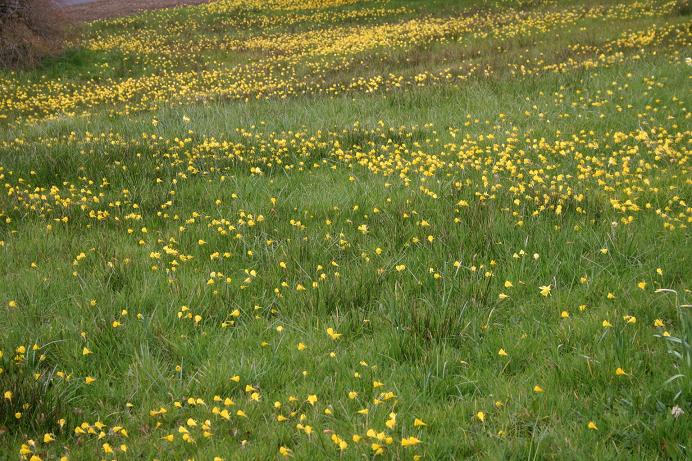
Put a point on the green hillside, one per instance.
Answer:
(325, 229)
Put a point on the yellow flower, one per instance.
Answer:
(502, 353)
(545, 290)
(480, 416)
(338, 441)
(409, 441)
(619, 372)
(391, 422)
(333, 334)
(592, 426)
(537, 389)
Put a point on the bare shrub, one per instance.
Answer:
(29, 31)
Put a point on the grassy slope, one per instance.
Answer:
(434, 343)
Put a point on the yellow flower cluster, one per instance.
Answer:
(223, 6)
(528, 177)
(323, 59)
(304, 290)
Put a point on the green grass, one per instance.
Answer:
(129, 212)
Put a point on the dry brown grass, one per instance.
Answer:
(29, 31)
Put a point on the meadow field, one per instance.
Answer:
(345, 229)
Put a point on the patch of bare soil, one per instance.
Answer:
(100, 9)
